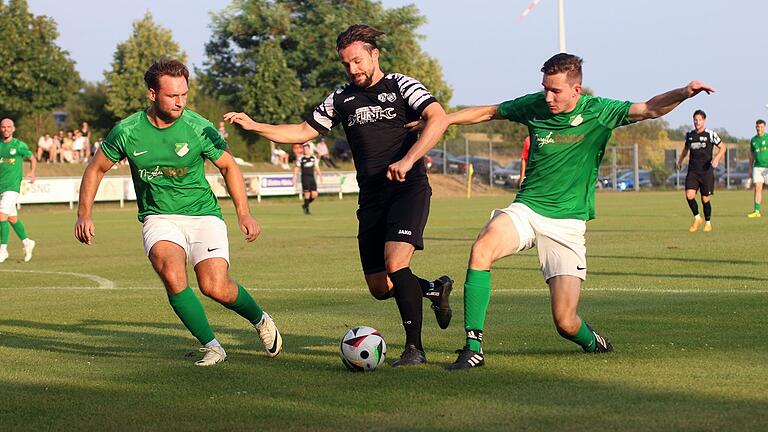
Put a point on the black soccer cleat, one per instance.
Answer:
(603, 344)
(306, 209)
(411, 356)
(467, 359)
(439, 296)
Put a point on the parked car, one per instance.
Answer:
(484, 167)
(677, 180)
(627, 180)
(738, 180)
(606, 181)
(455, 165)
(509, 176)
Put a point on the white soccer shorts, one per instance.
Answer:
(759, 175)
(8, 200)
(559, 242)
(201, 237)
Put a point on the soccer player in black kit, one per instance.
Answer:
(307, 166)
(699, 143)
(373, 109)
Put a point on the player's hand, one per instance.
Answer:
(679, 166)
(32, 178)
(85, 231)
(696, 87)
(241, 119)
(415, 126)
(250, 227)
(397, 170)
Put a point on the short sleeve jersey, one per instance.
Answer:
(168, 165)
(759, 147)
(700, 147)
(12, 155)
(307, 166)
(373, 120)
(566, 151)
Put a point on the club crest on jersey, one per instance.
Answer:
(387, 97)
(370, 114)
(182, 149)
(577, 120)
(12, 152)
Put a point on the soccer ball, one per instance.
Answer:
(362, 349)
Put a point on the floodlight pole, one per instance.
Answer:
(561, 24)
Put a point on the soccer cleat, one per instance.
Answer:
(696, 224)
(707, 227)
(603, 344)
(213, 355)
(28, 248)
(306, 209)
(270, 336)
(411, 356)
(3, 255)
(467, 359)
(439, 297)
(754, 214)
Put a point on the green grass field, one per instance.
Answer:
(685, 312)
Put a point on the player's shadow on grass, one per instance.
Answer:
(682, 276)
(679, 259)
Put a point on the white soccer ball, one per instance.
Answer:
(362, 349)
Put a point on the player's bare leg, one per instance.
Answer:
(564, 293)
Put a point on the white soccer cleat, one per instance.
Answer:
(28, 248)
(213, 355)
(3, 255)
(270, 336)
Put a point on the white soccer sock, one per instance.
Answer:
(3, 247)
(214, 342)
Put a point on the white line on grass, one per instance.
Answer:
(362, 290)
(103, 283)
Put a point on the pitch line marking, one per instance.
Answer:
(102, 282)
(362, 290)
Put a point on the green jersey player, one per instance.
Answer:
(569, 132)
(758, 159)
(12, 154)
(166, 147)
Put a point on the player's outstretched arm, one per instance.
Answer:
(466, 116)
(661, 104)
(435, 123)
(283, 134)
(89, 185)
(236, 188)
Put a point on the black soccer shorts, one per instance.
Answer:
(703, 181)
(397, 212)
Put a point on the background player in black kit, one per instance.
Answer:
(307, 166)
(394, 192)
(699, 143)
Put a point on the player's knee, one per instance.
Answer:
(481, 255)
(380, 289)
(567, 325)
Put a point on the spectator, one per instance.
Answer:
(45, 148)
(79, 147)
(325, 157)
(67, 151)
(297, 150)
(86, 132)
(279, 156)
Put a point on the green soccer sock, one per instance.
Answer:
(584, 338)
(246, 306)
(189, 309)
(477, 295)
(757, 206)
(5, 232)
(20, 230)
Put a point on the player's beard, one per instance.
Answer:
(365, 82)
(168, 116)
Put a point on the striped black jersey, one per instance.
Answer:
(373, 120)
(306, 166)
(700, 146)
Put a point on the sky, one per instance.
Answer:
(632, 50)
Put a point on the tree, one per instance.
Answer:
(126, 90)
(89, 105)
(245, 37)
(35, 73)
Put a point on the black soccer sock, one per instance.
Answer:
(310, 200)
(694, 206)
(408, 298)
(425, 285)
(306, 202)
(707, 210)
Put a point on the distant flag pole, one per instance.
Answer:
(560, 19)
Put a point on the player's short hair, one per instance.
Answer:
(701, 113)
(760, 121)
(358, 33)
(562, 62)
(164, 67)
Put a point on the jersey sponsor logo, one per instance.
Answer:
(699, 145)
(370, 114)
(139, 153)
(182, 149)
(387, 97)
(577, 120)
(8, 161)
(542, 141)
(404, 232)
(348, 99)
(158, 171)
